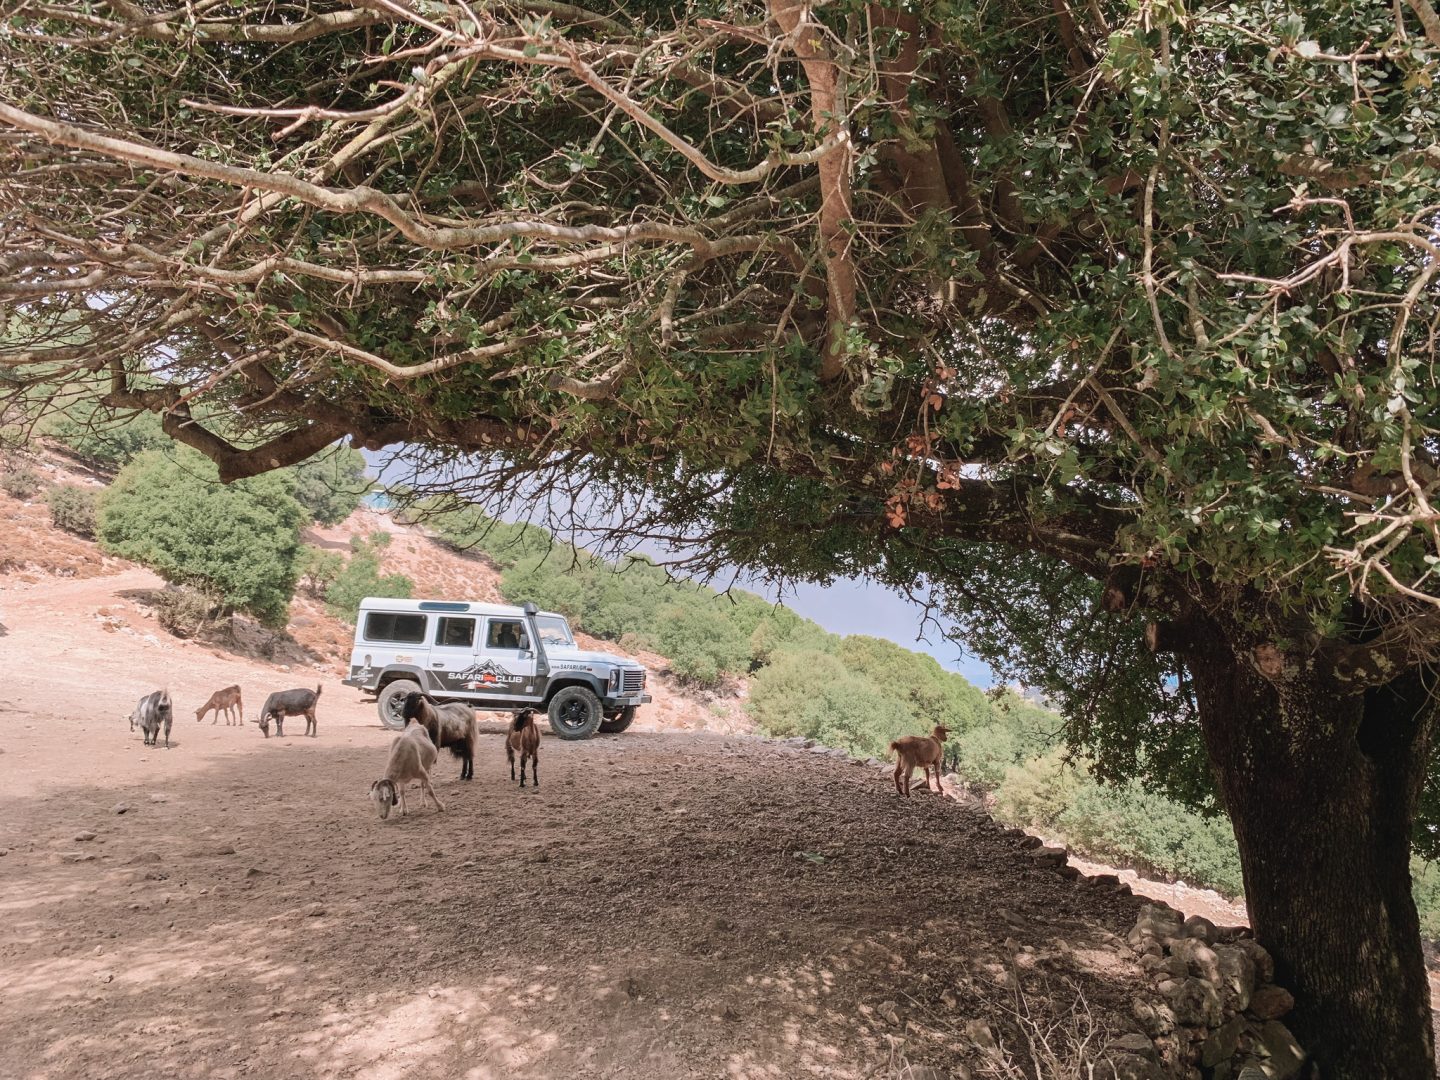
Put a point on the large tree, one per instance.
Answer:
(1107, 327)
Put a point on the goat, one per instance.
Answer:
(285, 703)
(451, 726)
(411, 757)
(226, 700)
(152, 711)
(524, 735)
(915, 750)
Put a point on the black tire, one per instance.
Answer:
(575, 712)
(392, 700)
(613, 725)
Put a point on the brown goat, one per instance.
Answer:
(524, 735)
(225, 700)
(918, 750)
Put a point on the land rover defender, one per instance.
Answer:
(497, 658)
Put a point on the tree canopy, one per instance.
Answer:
(1107, 328)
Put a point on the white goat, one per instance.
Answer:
(412, 755)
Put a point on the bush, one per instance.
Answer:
(361, 578)
(703, 646)
(1037, 792)
(332, 484)
(73, 508)
(20, 482)
(237, 543)
(318, 569)
(183, 611)
(103, 437)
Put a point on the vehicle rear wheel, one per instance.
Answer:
(575, 712)
(392, 700)
(613, 725)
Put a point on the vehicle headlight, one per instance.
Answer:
(615, 678)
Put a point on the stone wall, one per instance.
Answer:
(1214, 1012)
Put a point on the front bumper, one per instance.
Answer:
(625, 701)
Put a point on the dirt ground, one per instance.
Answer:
(667, 904)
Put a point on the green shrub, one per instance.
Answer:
(104, 437)
(20, 482)
(702, 645)
(318, 569)
(238, 543)
(1037, 792)
(1426, 887)
(471, 529)
(73, 508)
(361, 577)
(332, 484)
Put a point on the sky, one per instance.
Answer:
(847, 606)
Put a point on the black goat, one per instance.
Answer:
(451, 726)
(285, 703)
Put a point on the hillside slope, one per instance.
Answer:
(37, 558)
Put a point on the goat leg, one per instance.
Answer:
(535, 769)
(425, 783)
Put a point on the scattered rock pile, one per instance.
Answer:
(1214, 1013)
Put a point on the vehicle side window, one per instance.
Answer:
(392, 626)
(505, 634)
(455, 633)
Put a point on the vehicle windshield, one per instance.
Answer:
(554, 630)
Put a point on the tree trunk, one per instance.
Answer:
(1322, 788)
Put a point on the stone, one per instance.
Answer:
(1271, 1002)
(1199, 957)
(1222, 1043)
(81, 837)
(1154, 921)
(1030, 843)
(889, 1012)
(980, 1035)
(1108, 881)
(1134, 1043)
(1237, 977)
(312, 910)
(225, 849)
(1264, 962)
(1156, 1018)
(120, 808)
(1050, 856)
(1069, 873)
(1197, 926)
(1194, 1001)
(143, 857)
(76, 856)
(1286, 1058)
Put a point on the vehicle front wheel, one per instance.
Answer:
(575, 712)
(613, 725)
(392, 700)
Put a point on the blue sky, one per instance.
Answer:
(848, 606)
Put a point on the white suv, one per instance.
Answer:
(495, 657)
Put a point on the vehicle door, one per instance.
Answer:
(507, 658)
(452, 653)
